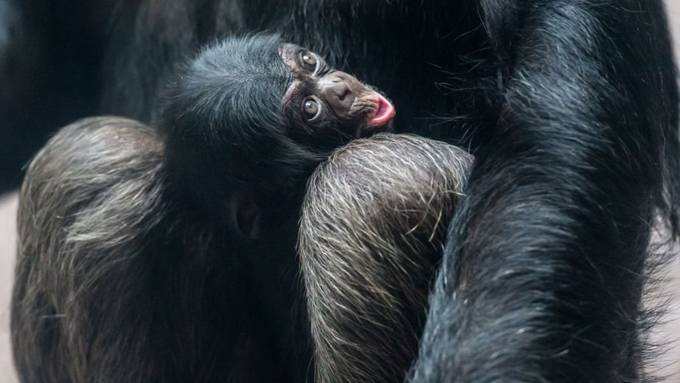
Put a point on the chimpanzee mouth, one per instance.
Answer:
(379, 119)
(384, 113)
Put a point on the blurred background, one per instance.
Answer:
(668, 332)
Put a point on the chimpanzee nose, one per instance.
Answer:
(340, 90)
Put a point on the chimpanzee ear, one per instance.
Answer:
(244, 214)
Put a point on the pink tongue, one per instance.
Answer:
(384, 113)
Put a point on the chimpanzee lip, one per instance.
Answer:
(384, 112)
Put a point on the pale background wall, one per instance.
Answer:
(670, 364)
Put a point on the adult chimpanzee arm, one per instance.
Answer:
(371, 230)
(111, 285)
(543, 268)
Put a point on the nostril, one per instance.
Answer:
(344, 92)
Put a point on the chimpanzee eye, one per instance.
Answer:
(311, 108)
(308, 60)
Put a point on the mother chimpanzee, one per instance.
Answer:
(569, 106)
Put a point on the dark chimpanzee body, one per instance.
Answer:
(244, 127)
(98, 201)
(138, 266)
(569, 106)
(249, 119)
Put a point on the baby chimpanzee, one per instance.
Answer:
(170, 255)
(251, 117)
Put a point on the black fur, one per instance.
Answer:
(225, 130)
(569, 106)
(137, 265)
(232, 124)
(544, 265)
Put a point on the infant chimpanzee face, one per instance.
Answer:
(321, 99)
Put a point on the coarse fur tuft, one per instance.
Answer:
(372, 228)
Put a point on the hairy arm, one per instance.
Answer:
(85, 206)
(111, 284)
(371, 231)
(544, 264)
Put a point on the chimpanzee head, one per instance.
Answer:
(256, 114)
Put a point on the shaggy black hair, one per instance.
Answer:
(570, 108)
(224, 126)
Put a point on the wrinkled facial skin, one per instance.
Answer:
(325, 101)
